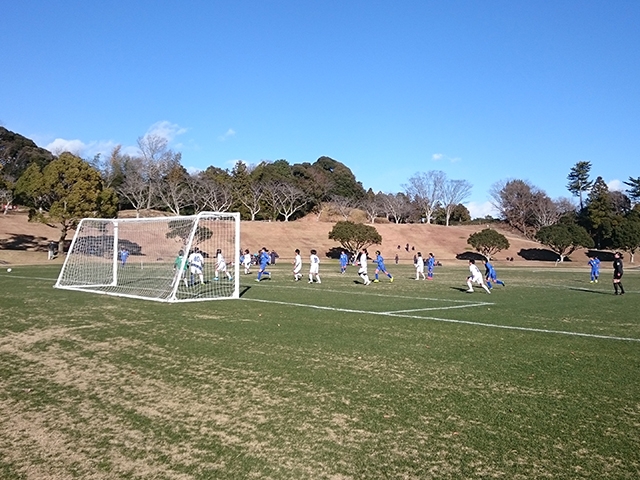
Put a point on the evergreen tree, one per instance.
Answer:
(634, 189)
(579, 180)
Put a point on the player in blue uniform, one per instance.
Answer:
(344, 261)
(264, 260)
(431, 262)
(381, 268)
(490, 275)
(594, 263)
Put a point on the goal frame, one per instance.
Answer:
(110, 287)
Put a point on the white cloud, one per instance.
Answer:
(193, 170)
(436, 157)
(61, 145)
(165, 129)
(481, 210)
(616, 186)
(228, 134)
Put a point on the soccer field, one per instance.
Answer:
(410, 379)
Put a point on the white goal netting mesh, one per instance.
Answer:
(171, 259)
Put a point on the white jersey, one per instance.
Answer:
(221, 264)
(247, 260)
(315, 264)
(297, 264)
(196, 262)
(420, 265)
(476, 276)
(363, 263)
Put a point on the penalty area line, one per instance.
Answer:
(449, 320)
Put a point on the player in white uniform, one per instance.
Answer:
(221, 266)
(475, 277)
(362, 271)
(314, 268)
(196, 265)
(297, 266)
(420, 267)
(246, 262)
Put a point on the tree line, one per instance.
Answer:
(65, 188)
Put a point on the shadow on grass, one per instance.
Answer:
(587, 290)
(25, 242)
(460, 289)
(244, 290)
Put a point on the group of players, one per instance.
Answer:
(195, 266)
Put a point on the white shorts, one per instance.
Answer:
(477, 280)
(420, 269)
(196, 270)
(314, 269)
(362, 271)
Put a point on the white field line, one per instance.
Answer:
(449, 320)
(482, 304)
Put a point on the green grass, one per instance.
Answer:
(336, 380)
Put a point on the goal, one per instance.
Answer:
(156, 258)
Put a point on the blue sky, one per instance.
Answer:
(484, 90)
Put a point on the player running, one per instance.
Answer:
(362, 271)
(314, 267)
(490, 275)
(221, 266)
(381, 268)
(594, 263)
(297, 266)
(264, 261)
(246, 262)
(475, 277)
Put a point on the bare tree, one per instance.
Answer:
(515, 200)
(453, 193)
(372, 206)
(425, 191)
(173, 191)
(396, 206)
(343, 205)
(285, 199)
(251, 197)
(157, 161)
(135, 187)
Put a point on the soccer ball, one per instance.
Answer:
(8, 270)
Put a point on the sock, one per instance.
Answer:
(489, 284)
(500, 282)
(621, 287)
(376, 276)
(615, 287)
(389, 275)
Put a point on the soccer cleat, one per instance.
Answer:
(391, 280)
(470, 291)
(591, 281)
(596, 280)
(376, 281)
(257, 279)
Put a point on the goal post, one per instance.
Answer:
(166, 259)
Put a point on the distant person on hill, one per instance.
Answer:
(475, 277)
(419, 264)
(297, 265)
(264, 261)
(397, 258)
(617, 273)
(490, 275)
(362, 271)
(381, 268)
(314, 267)
(51, 252)
(344, 261)
(594, 263)
(431, 263)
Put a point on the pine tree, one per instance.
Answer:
(579, 180)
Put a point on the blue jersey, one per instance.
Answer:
(344, 259)
(431, 261)
(595, 264)
(380, 262)
(264, 259)
(489, 270)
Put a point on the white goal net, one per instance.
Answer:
(167, 259)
